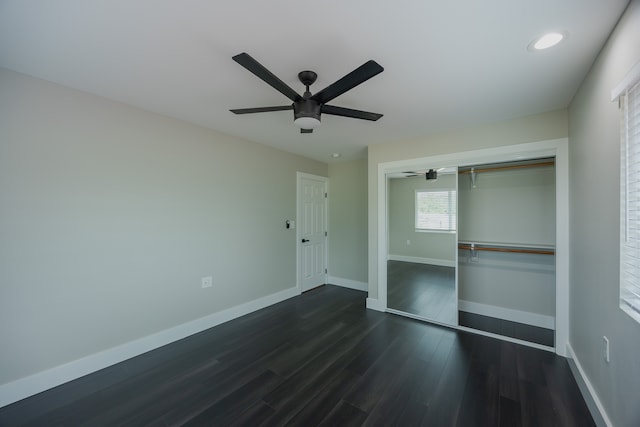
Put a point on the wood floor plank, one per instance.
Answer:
(228, 409)
(444, 406)
(288, 362)
(480, 400)
(428, 387)
(509, 413)
(255, 414)
(375, 381)
(313, 377)
(535, 405)
(212, 389)
(508, 371)
(344, 414)
(570, 408)
(397, 404)
(324, 402)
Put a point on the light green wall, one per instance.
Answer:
(432, 245)
(539, 127)
(348, 220)
(594, 155)
(109, 217)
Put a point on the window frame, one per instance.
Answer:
(629, 249)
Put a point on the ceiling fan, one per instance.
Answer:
(308, 108)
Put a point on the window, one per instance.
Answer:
(630, 201)
(436, 210)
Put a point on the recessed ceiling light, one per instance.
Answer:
(546, 41)
(335, 155)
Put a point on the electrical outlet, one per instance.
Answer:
(207, 282)
(606, 349)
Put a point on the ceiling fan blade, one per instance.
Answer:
(306, 130)
(348, 112)
(351, 80)
(261, 109)
(267, 76)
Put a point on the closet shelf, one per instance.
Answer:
(507, 247)
(479, 169)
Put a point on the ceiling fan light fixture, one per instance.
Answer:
(306, 114)
(307, 122)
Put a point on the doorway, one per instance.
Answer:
(311, 231)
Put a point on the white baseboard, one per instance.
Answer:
(374, 304)
(348, 283)
(419, 260)
(525, 317)
(588, 392)
(28, 386)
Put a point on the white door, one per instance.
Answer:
(312, 228)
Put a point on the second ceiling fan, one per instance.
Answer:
(308, 108)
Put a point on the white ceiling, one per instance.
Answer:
(447, 64)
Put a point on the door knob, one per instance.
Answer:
(305, 240)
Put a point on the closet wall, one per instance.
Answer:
(508, 209)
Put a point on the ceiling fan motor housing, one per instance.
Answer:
(306, 108)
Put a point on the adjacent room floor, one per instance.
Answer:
(320, 359)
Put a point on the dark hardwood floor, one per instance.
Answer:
(320, 359)
(425, 290)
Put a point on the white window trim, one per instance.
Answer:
(629, 247)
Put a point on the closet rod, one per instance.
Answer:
(513, 250)
(502, 168)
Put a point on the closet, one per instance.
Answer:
(506, 249)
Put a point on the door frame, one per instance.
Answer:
(557, 148)
(325, 180)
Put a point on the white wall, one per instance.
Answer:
(433, 246)
(109, 217)
(348, 222)
(594, 156)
